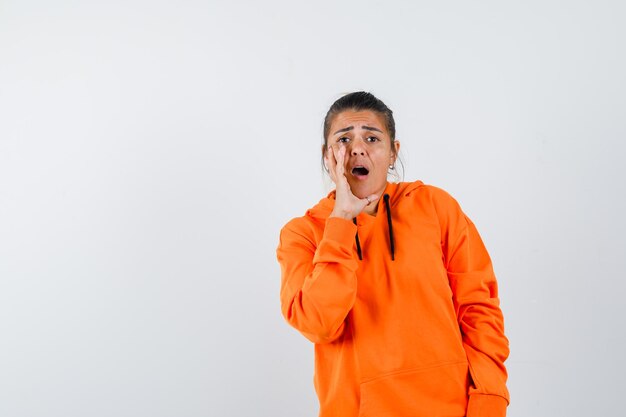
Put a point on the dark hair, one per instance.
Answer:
(358, 101)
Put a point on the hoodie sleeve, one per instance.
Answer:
(475, 296)
(318, 284)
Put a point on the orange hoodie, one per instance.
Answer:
(413, 328)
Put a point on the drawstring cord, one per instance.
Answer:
(390, 228)
(391, 243)
(358, 244)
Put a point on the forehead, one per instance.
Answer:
(357, 119)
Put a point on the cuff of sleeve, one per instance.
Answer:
(483, 405)
(340, 230)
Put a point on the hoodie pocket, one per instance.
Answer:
(439, 390)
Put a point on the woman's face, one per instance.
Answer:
(368, 150)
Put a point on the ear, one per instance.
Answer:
(395, 155)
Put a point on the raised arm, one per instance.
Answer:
(318, 284)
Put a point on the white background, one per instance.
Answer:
(150, 152)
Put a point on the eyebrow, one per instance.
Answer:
(349, 128)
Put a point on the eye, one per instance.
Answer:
(343, 139)
(372, 139)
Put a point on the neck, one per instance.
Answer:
(372, 209)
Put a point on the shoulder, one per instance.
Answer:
(446, 207)
(302, 230)
(295, 235)
(312, 222)
(441, 199)
(297, 226)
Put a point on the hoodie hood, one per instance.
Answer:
(393, 193)
(396, 191)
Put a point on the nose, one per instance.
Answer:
(357, 148)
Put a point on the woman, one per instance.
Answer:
(392, 283)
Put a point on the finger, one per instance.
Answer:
(372, 198)
(331, 164)
(341, 154)
(364, 202)
(336, 156)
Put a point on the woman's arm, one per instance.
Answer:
(318, 284)
(475, 296)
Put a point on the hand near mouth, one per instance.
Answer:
(347, 205)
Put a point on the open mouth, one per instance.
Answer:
(360, 171)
